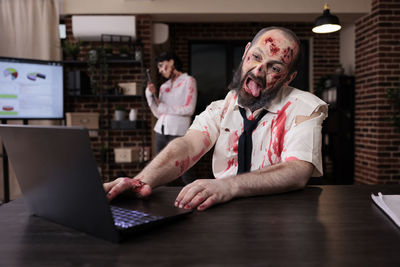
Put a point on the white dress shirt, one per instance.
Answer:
(276, 139)
(177, 105)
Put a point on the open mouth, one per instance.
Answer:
(252, 86)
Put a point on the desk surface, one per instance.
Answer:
(318, 226)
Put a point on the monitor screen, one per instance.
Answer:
(31, 89)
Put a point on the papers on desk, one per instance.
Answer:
(390, 204)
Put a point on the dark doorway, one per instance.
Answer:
(213, 63)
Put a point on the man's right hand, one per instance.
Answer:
(123, 184)
(152, 88)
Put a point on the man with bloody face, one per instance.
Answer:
(266, 135)
(253, 77)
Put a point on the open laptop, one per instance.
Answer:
(60, 181)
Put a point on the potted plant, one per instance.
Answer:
(339, 70)
(124, 51)
(92, 61)
(108, 50)
(97, 66)
(72, 48)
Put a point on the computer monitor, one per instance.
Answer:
(31, 89)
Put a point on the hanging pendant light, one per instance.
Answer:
(326, 23)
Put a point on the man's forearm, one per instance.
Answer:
(162, 169)
(272, 179)
(176, 158)
(204, 193)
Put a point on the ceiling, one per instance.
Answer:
(221, 10)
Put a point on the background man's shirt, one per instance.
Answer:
(178, 103)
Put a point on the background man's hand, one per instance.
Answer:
(123, 184)
(152, 88)
(204, 193)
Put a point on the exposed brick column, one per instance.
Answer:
(377, 145)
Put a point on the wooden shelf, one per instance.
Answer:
(128, 125)
(105, 96)
(110, 61)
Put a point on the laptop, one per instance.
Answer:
(59, 179)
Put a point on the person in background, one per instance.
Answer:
(266, 135)
(175, 103)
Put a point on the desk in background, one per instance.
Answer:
(318, 226)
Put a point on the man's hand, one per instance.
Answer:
(152, 88)
(204, 193)
(120, 185)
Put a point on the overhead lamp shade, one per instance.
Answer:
(326, 23)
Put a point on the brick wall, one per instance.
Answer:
(106, 140)
(325, 51)
(377, 155)
(377, 144)
(326, 47)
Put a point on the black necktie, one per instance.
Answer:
(245, 145)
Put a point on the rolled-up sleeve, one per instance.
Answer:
(209, 120)
(303, 142)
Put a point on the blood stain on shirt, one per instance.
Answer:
(230, 163)
(206, 131)
(277, 134)
(190, 96)
(235, 97)
(262, 164)
(233, 142)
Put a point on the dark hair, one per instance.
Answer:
(168, 56)
(287, 33)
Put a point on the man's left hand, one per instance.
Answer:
(204, 193)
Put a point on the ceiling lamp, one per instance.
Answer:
(326, 23)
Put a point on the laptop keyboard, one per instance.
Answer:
(124, 218)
